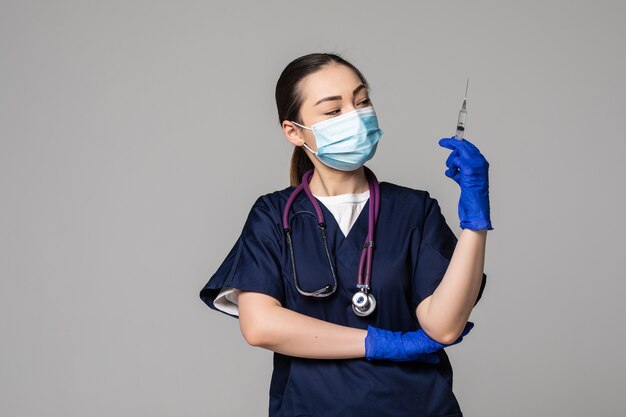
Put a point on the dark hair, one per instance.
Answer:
(289, 100)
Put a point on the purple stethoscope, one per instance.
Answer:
(363, 303)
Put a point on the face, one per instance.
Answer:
(329, 92)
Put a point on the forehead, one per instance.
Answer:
(330, 80)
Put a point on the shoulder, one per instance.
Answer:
(268, 207)
(408, 195)
(273, 201)
(408, 205)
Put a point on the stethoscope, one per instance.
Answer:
(363, 303)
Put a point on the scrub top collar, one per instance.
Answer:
(352, 243)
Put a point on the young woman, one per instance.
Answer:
(356, 285)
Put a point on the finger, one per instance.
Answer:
(452, 155)
(452, 172)
(469, 326)
(475, 152)
(470, 144)
(449, 143)
(466, 330)
(456, 161)
(457, 341)
(467, 149)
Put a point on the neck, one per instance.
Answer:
(330, 182)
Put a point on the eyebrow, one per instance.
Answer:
(356, 90)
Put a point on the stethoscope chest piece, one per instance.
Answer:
(363, 303)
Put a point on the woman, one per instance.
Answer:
(342, 349)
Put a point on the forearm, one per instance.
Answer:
(291, 333)
(452, 302)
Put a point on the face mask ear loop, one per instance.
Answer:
(304, 144)
(307, 146)
(304, 127)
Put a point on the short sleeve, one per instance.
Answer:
(253, 263)
(436, 244)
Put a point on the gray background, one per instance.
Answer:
(135, 137)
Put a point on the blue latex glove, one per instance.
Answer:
(405, 346)
(469, 168)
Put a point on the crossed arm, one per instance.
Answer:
(264, 322)
(445, 312)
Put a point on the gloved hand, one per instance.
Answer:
(469, 168)
(405, 346)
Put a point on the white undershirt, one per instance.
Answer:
(344, 207)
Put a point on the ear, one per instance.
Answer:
(293, 133)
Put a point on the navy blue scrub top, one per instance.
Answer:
(413, 247)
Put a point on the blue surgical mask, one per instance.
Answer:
(348, 141)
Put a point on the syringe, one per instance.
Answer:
(460, 124)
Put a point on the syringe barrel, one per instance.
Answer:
(462, 118)
(460, 124)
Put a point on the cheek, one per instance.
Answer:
(309, 136)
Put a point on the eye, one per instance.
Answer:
(334, 112)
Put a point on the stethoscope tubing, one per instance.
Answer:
(365, 261)
(368, 247)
